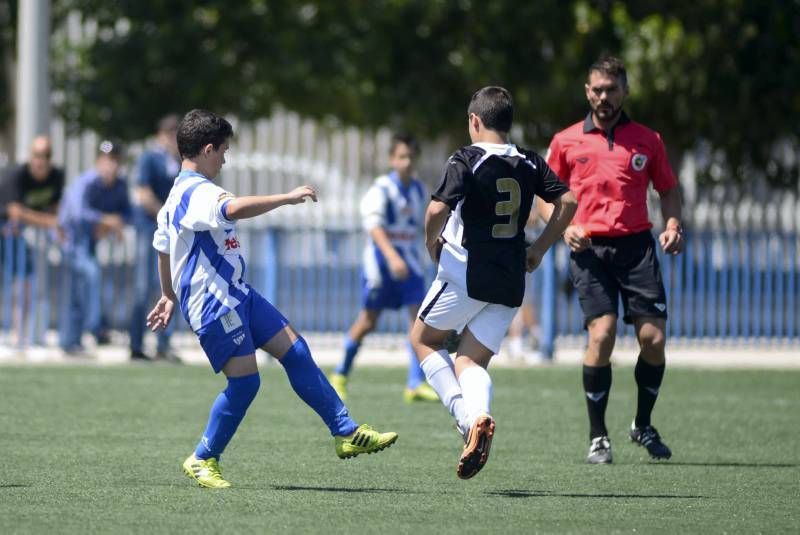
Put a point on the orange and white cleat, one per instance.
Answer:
(476, 450)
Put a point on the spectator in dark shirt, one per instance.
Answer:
(155, 173)
(32, 190)
(95, 205)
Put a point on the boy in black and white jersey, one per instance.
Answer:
(474, 229)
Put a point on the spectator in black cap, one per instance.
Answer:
(95, 206)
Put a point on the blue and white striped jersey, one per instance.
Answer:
(205, 260)
(400, 210)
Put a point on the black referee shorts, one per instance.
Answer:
(625, 267)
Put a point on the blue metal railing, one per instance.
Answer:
(727, 285)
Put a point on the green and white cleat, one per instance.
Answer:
(206, 472)
(363, 440)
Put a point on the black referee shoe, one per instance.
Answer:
(648, 437)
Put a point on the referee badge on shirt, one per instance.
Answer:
(638, 162)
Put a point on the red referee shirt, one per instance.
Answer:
(609, 174)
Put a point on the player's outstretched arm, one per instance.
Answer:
(435, 218)
(159, 317)
(562, 211)
(671, 239)
(255, 205)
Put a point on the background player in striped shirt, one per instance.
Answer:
(201, 270)
(475, 229)
(392, 211)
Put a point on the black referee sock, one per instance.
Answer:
(597, 385)
(648, 378)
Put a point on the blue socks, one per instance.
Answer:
(415, 374)
(307, 380)
(313, 387)
(350, 350)
(226, 415)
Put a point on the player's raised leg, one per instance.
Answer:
(428, 343)
(649, 372)
(313, 388)
(364, 324)
(476, 387)
(226, 414)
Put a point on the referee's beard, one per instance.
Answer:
(607, 113)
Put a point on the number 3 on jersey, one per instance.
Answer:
(507, 209)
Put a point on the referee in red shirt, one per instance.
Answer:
(608, 161)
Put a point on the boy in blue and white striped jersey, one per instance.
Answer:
(201, 270)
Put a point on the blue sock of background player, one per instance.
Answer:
(350, 351)
(415, 375)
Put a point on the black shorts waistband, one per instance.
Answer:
(617, 241)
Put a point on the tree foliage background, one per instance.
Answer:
(719, 77)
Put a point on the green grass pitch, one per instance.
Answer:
(89, 449)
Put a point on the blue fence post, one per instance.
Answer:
(679, 276)
(780, 295)
(269, 252)
(8, 278)
(669, 287)
(747, 285)
(40, 297)
(22, 277)
(702, 259)
(755, 246)
(689, 320)
(30, 303)
(769, 269)
(791, 288)
(548, 308)
(711, 287)
(736, 292)
(723, 289)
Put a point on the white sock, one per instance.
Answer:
(476, 388)
(441, 375)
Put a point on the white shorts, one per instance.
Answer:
(448, 307)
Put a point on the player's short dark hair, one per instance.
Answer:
(198, 128)
(401, 138)
(610, 66)
(495, 107)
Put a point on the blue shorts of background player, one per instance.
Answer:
(393, 294)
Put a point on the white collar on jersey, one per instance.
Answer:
(497, 149)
